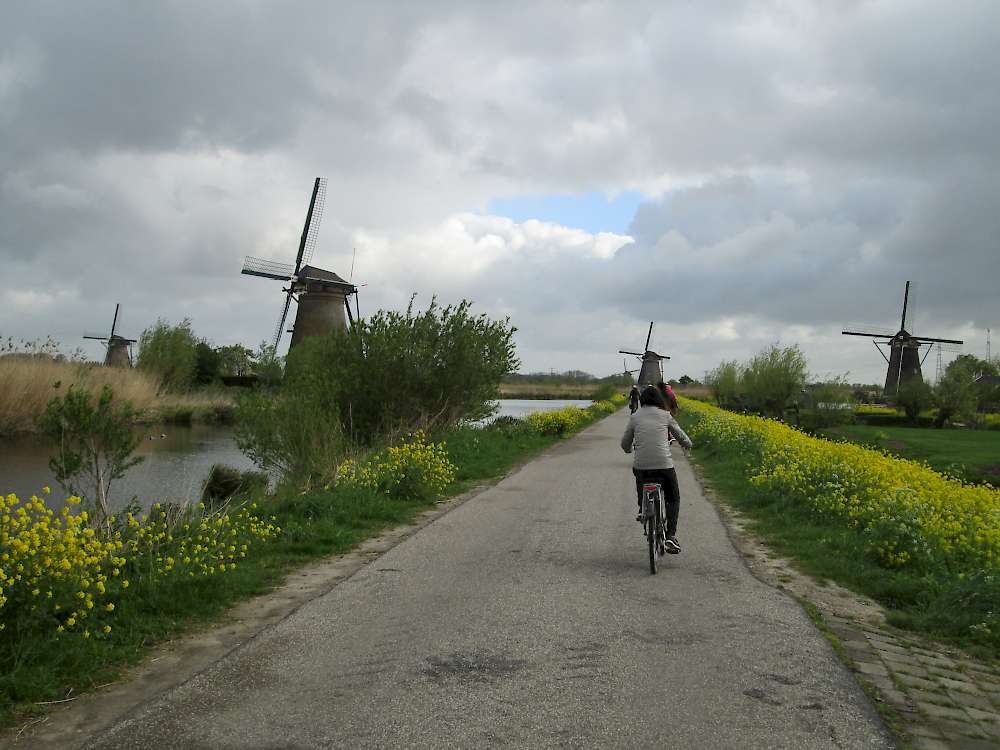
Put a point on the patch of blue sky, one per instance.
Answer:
(593, 212)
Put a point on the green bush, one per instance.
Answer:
(294, 433)
(93, 443)
(773, 378)
(226, 482)
(395, 373)
(170, 353)
(724, 383)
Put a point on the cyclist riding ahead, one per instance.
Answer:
(648, 435)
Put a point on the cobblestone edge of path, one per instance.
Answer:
(931, 696)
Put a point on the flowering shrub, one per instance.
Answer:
(414, 469)
(558, 421)
(58, 574)
(875, 409)
(911, 516)
(604, 407)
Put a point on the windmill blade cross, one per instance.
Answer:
(868, 334)
(311, 227)
(928, 340)
(281, 323)
(269, 269)
(317, 218)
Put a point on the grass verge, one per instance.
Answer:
(314, 524)
(944, 607)
(971, 455)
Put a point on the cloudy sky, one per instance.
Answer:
(742, 173)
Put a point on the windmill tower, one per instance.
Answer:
(651, 371)
(119, 348)
(322, 296)
(904, 351)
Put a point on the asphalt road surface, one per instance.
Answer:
(527, 617)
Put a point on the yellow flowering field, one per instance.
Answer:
(60, 575)
(910, 515)
(412, 469)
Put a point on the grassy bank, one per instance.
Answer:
(924, 546)
(42, 663)
(26, 386)
(972, 455)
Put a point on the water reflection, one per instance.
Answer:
(177, 460)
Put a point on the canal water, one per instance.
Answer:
(177, 460)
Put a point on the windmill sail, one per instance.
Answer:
(269, 269)
(313, 219)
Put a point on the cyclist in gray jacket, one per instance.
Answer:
(647, 438)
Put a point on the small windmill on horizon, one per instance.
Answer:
(118, 348)
(904, 360)
(650, 371)
(322, 296)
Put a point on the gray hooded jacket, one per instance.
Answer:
(647, 435)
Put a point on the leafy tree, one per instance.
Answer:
(724, 383)
(171, 352)
(267, 366)
(956, 395)
(772, 378)
(397, 372)
(94, 443)
(208, 364)
(914, 396)
(388, 374)
(235, 360)
(686, 380)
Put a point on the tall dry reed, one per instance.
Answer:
(26, 387)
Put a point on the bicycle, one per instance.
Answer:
(653, 515)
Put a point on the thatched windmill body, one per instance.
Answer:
(904, 360)
(650, 371)
(119, 348)
(323, 297)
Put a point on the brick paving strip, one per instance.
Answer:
(937, 697)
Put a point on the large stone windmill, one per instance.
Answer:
(904, 358)
(119, 348)
(322, 296)
(650, 372)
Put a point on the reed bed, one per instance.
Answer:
(27, 386)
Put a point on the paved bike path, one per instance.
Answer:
(527, 618)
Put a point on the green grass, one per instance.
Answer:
(315, 525)
(972, 455)
(930, 603)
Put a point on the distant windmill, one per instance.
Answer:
(322, 295)
(650, 372)
(904, 356)
(119, 348)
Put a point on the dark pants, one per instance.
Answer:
(667, 479)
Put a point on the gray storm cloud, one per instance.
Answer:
(800, 160)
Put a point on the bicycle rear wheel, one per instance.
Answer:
(651, 536)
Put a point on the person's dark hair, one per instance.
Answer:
(651, 396)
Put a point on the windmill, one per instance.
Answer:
(322, 295)
(904, 359)
(650, 372)
(119, 348)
